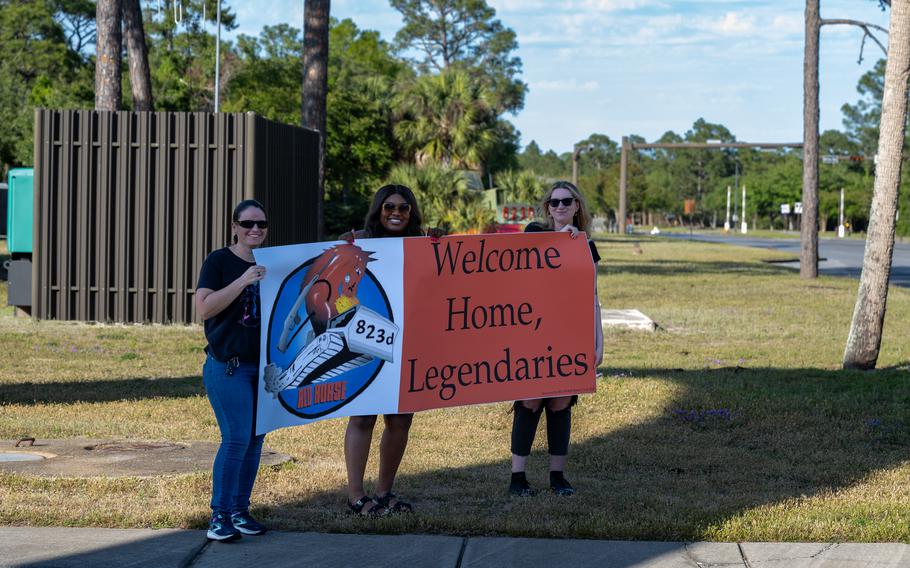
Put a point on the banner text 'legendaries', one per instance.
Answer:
(498, 296)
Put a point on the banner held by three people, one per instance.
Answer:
(401, 325)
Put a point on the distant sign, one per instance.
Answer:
(784, 208)
(689, 206)
(515, 213)
(798, 208)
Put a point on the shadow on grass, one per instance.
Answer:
(681, 267)
(100, 390)
(731, 441)
(731, 444)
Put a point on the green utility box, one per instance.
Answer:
(20, 210)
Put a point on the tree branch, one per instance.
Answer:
(866, 31)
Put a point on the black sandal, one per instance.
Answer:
(399, 506)
(377, 510)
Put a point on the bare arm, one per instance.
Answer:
(210, 303)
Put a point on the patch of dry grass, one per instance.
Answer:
(733, 422)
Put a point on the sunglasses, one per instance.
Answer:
(566, 201)
(248, 224)
(402, 207)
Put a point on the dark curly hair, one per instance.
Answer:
(372, 224)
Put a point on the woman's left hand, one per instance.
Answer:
(435, 232)
(571, 229)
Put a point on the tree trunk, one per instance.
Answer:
(107, 49)
(808, 257)
(140, 77)
(869, 313)
(315, 85)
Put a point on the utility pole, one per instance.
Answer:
(623, 179)
(218, 58)
(575, 155)
(727, 222)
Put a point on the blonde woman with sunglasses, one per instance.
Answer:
(562, 209)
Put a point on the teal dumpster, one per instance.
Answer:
(20, 209)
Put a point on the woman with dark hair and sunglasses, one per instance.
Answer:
(393, 213)
(227, 299)
(562, 209)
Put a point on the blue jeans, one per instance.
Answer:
(237, 460)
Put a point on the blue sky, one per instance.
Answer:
(643, 67)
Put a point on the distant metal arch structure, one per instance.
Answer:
(627, 146)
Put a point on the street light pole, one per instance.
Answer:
(218, 58)
(578, 151)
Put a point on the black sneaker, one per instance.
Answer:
(519, 486)
(559, 485)
(246, 524)
(222, 529)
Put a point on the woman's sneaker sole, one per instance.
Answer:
(250, 532)
(212, 535)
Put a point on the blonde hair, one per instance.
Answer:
(582, 218)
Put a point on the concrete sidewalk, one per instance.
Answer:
(168, 548)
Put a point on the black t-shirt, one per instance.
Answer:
(234, 332)
(534, 227)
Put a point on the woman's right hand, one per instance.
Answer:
(252, 275)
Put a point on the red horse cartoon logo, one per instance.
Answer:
(331, 284)
(344, 335)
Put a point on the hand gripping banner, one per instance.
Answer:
(383, 326)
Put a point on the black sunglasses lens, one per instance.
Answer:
(402, 207)
(251, 224)
(566, 201)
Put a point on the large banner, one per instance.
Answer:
(383, 326)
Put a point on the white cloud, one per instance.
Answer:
(614, 5)
(730, 23)
(568, 85)
(789, 23)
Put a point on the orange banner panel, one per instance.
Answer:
(492, 318)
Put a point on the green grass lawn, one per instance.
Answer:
(732, 422)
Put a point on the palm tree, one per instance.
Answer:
(437, 187)
(520, 186)
(448, 118)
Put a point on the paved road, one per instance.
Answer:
(841, 257)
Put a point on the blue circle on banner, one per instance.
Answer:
(370, 295)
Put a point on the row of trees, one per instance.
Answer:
(661, 180)
(434, 98)
(432, 104)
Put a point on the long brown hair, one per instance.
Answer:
(582, 219)
(372, 224)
